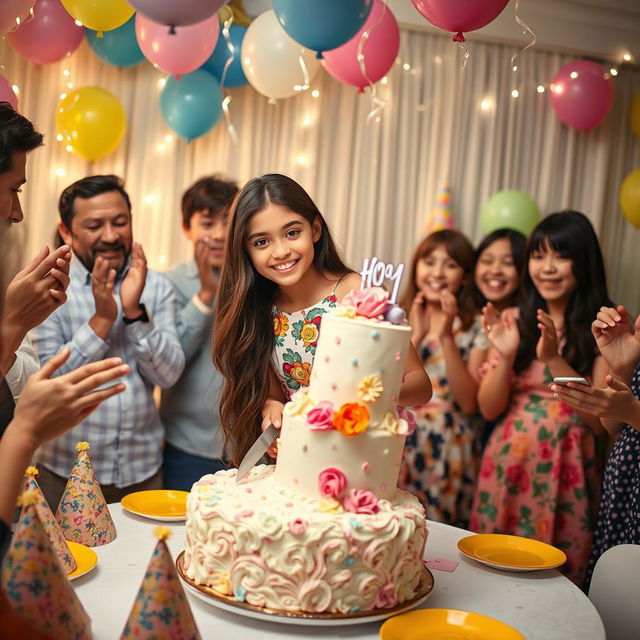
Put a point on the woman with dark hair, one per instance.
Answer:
(281, 274)
(439, 466)
(539, 476)
(498, 267)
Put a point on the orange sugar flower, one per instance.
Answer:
(351, 418)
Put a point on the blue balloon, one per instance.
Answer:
(118, 47)
(192, 104)
(322, 26)
(215, 64)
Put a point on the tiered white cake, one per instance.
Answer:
(326, 529)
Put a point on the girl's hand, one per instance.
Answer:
(501, 330)
(48, 407)
(450, 309)
(419, 319)
(617, 402)
(272, 414)
(617, 337)
(547, 347)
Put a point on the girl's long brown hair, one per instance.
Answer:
(460, 249)
(243, 336)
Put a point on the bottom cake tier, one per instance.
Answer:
(271, 548)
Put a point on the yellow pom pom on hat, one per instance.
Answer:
(34, 582)
(83, 513)
(161, 608)
(48, 521)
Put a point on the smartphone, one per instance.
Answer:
(564, 379)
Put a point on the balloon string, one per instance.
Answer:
(305, 75)
(466, 53)
(377, 103)
(528, 29)
(227, 98)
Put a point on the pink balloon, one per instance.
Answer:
(12, 9)
(181, 52)
(581, 101)
(460, 15)
(49, 36)
(177, 13)
(379, 50)
(7, 94)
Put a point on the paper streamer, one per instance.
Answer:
(527, 29)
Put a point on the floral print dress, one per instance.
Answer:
(439, 466)
(296, 339)
(619, 513)
(539, 476)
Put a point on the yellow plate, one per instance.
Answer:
(159, 504)
(512, 553)
(85, 558)
(446, 624)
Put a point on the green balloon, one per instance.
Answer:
(511, 209)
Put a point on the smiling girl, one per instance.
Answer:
(281, 274)
(439, 466)
(539, 476)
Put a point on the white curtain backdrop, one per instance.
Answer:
(375, 182)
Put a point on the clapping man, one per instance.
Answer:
(116, 307)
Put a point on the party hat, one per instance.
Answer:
(35, 583)
(441, 216)
(83, 513)
(49, 522)
(161, 610)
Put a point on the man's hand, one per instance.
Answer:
(34, 294)
(208, 277)
(133, 284)
(102, 281)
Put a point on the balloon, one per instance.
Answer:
(177, 13)
(634, 115)
(13, 13)
(322, 25)
(99, 15)
(92, 121)
(270, 58)
(118, 47)
(180, 52)
(460, 15)
(49, 36)
(630, 197)
(191, 105)
(253, 8)
(215, 64)
(581, 95)
(511, 209)
(380, 50)
(7, 94)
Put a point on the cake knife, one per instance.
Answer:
(257, 450)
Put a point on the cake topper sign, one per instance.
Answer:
(375, 272)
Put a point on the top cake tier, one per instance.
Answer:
(361, 360)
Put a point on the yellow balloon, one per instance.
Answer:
(630, 197)
(91, 121)
(99, 15)
(634, 115)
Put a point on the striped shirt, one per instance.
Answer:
(125, 431)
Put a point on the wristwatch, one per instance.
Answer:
(143, 317)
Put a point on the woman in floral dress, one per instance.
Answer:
(539, 476)
(439, 466)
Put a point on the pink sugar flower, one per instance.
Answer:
(385, 597)
(298, 526)
(369, 302)
(409, 417)
(319, 417)
(361, 501)
(331, 483)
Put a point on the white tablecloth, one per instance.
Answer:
(543, 605)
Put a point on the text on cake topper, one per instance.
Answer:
(375, 272)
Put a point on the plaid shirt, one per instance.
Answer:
(125, 431)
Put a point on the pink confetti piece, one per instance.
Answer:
(441, 564)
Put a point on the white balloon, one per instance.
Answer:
(271, 59)
(253, 8)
